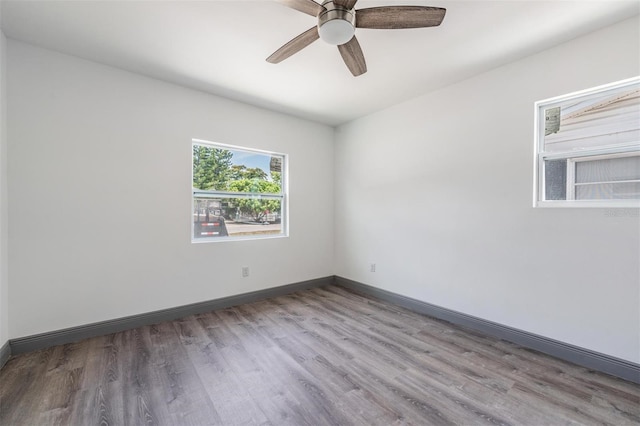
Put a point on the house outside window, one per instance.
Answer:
(238, 193)
(588, 148)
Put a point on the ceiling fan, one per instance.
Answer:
(337, 22)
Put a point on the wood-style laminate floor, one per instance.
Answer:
(324, 356)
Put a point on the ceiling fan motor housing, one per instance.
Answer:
(336, 25)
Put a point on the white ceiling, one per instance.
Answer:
(220, 46)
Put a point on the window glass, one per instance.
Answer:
(609, 169)
(608, 179)
(237, 192)
(588, 147)
(608, 191)
(555, 179)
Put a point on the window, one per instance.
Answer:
(237, 193)
(588, 147)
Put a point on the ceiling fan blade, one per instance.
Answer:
(399, 17)
(347, 4)
(294, 46)
(353, 57)
(309, 7)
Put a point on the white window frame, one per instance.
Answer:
(572, 157)
(282, 197)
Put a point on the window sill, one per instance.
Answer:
(238, 238)
(633, 205)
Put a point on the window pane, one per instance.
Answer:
(211, 168)
(254, 210)
(209, 218)
(237, 192)
(234, 170)
(236, 217)
(612, 169)
(610, 117)
(254, 216)
(587, 146)
(555, 179)
(609, 191)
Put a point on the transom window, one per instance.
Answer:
(237, 193)
(588, 147)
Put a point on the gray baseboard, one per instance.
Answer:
(590, 359)
(584, 357)
(5, 353)
(69, 335)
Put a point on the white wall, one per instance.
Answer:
(4, 283)
(99, 194)
(438, 192)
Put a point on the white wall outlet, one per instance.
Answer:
(372, 267)
(245, 271)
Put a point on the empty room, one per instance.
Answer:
(296, 212)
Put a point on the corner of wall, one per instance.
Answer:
(4, 315)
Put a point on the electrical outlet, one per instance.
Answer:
(245, 271)
(372, 267)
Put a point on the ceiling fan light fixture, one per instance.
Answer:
(336, 25)
(336, 31)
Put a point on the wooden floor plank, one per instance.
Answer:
(227, 392)
(324, 356)
(176, 381)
